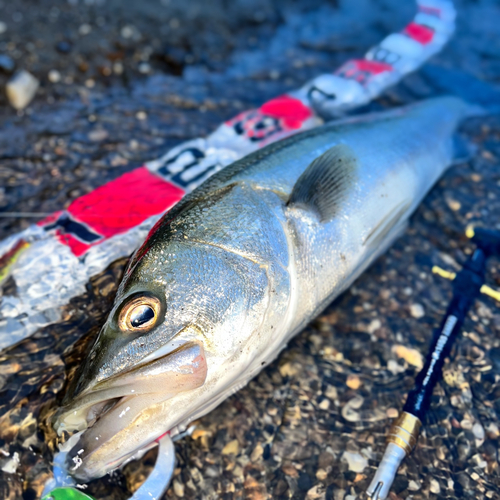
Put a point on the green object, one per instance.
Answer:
(67, 494)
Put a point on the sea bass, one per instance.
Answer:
(242, 264)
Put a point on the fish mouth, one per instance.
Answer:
(114, 413)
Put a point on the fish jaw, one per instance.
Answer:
(219, 308)
(108, 443)
(131, 400)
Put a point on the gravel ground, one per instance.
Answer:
(121, 82)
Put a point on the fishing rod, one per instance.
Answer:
(468, 284)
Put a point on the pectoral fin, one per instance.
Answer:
(326, 182)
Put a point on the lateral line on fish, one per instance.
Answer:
(230, 250)
(386, 224)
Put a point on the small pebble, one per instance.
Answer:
(317, 492)
(394, 367)
(417, 310)
(478, 431)
(493, 432)
(98, 135)
(348, 411)
(466, 424)
(353, 382)
(63, 47)
(54, 76)
(3, 27)
(325, 404)
(141, 115)
(454, 205)
(479, 460)
(144, 68)
(117, 161)
(118, 68)
(392, 412)
(85, 29)
(434, 487)
(10, 466)
(321, 474)
(198, 433)
(487, 155)
(331, 392)
(129, 31)
(413, 486)
(7, 64)
(356, 461)
(257, 453)
(231, 448)
(21, 89)
(178, 488)
(411, 356)
(374, 326)
(290, 470)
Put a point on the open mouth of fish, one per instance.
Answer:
(110, 408)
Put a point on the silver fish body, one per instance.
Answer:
(242, 264)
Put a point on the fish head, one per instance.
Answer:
(181, 321)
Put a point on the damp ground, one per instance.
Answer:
(121, 83)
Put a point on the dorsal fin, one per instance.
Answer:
(326, 181)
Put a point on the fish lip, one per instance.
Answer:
(147, 361)
(160, 353)
(78, 467)
(82, 472)
(181, 369)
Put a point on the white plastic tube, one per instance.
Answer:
(158, 481)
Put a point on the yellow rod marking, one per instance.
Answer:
(443, 273)
(490, 292)
(485, 289)
(469, 231)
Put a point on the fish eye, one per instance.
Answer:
(141, 316)
(139, 313)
